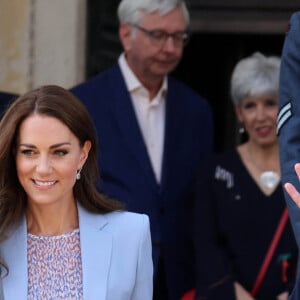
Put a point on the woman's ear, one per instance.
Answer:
(238, 113)
(85, 152)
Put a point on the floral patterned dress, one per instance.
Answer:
(54, 267)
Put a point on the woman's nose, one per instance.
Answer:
(43, 165)
(260, 113)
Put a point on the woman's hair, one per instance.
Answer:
(256, 75)
(130, 11)
(57, 102)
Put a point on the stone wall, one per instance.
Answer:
(41, 42)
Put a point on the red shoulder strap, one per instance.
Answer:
(270, 253)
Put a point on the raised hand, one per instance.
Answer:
(290, 188)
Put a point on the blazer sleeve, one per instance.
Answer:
(144, 285)
(1, 292)
(288, 122)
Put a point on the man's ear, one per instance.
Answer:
(125, 34)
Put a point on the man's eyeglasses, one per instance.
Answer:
(159, 37)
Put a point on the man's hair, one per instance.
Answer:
(129, 11)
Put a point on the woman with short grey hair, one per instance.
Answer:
(256, 75)
(240, 200)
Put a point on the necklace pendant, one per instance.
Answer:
(269, 179)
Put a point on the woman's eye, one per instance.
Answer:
(27, 152)
(60, 152)
(249, 105)
(271, 103)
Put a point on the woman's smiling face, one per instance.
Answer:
(259, 116)
(48, 156)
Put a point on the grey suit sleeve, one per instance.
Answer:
(289, 115)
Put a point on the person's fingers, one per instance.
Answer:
(291, 190)
(297, 169)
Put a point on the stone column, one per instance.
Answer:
(41, 42)
(14, 45)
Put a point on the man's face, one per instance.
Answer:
(150, 60)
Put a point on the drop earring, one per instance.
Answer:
(241, 130)
(78, 174)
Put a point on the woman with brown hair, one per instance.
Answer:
(64, 240)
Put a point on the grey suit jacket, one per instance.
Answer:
(116, 257)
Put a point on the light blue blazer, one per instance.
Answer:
(116, 257)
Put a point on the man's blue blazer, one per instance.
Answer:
(5, 99)
(289, 123)
(126, 170)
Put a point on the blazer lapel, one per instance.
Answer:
(122, 108)
(173, 128)
(14, 253)
(96, 249)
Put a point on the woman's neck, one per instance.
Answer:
(265, 158)
(49, 220)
